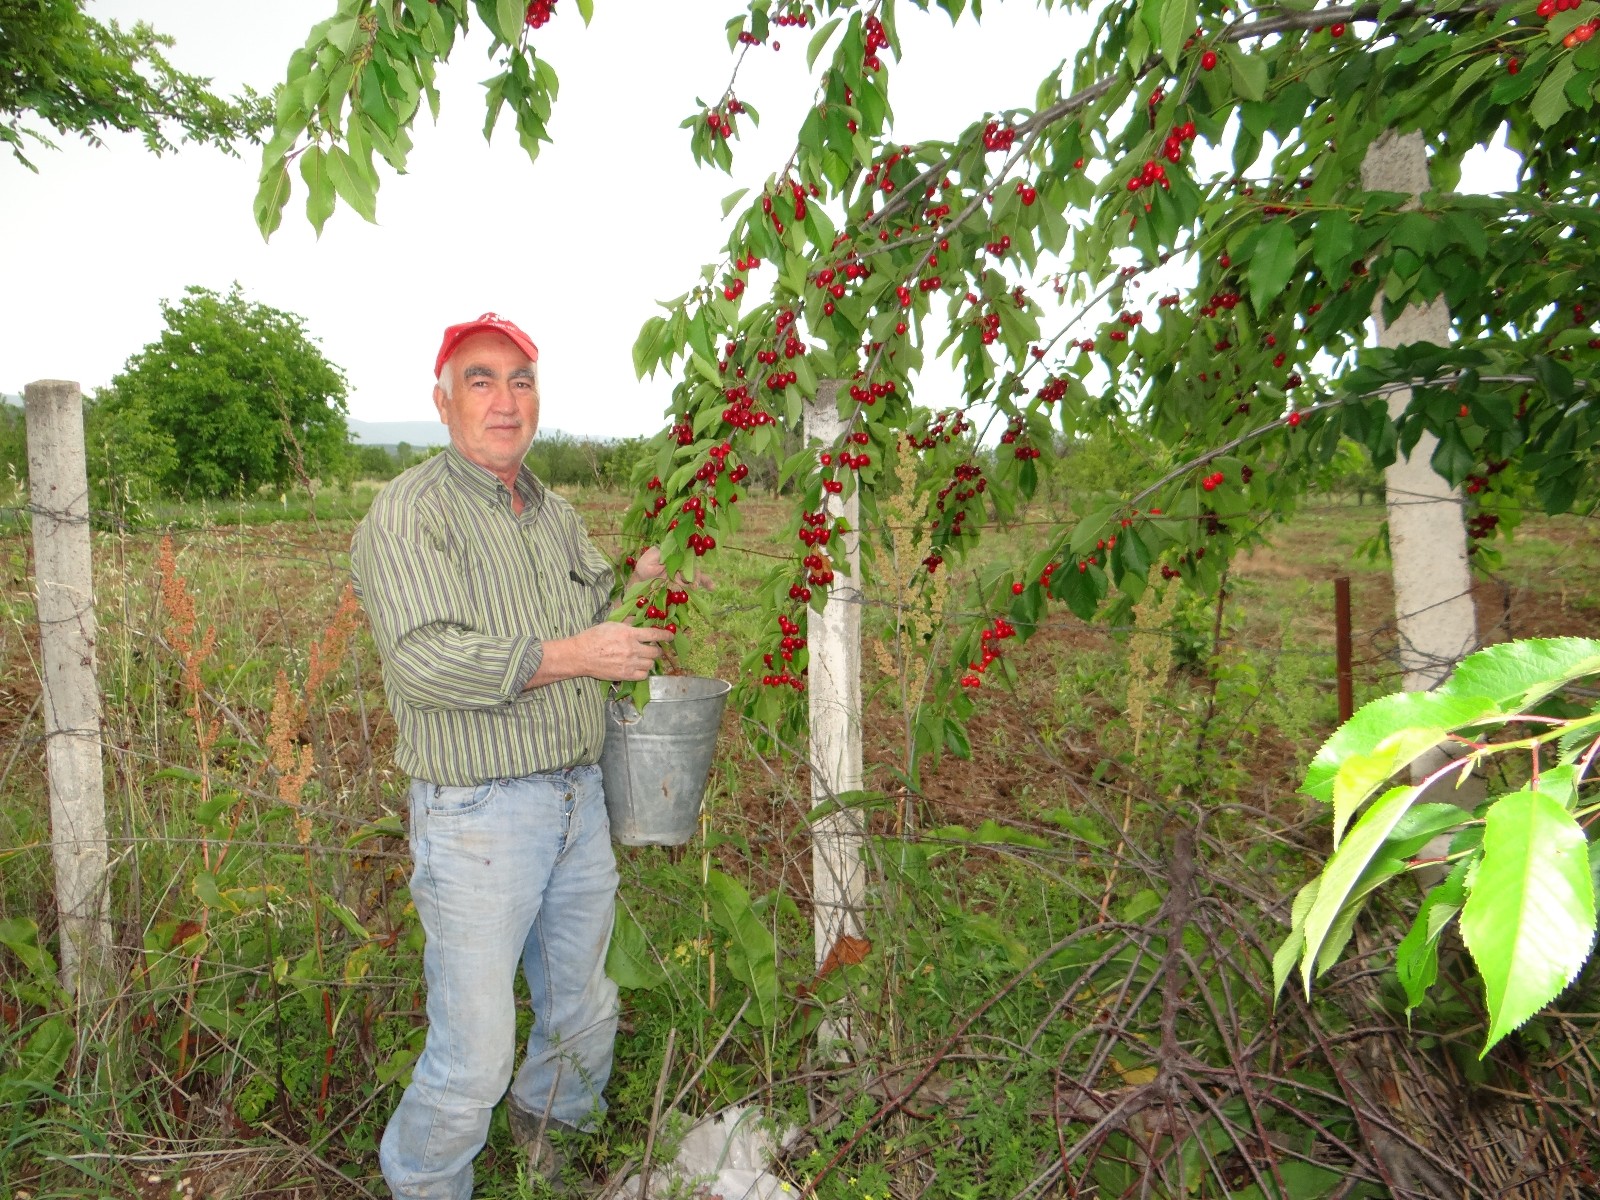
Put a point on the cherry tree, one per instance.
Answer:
(1193, 229)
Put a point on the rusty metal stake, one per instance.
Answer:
(1341, 637)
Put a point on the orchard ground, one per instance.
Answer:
(1017, 840)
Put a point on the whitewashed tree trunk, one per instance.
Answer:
(833, 642)
(59, 503)
(1434, 612)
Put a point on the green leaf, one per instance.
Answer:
(586, 10)
(1345, 868)
(42, 1058)
(752, 953)
(206, 891)
(1550, 102)
(319, 188)
(1249, 73)
(1289, 952)
(346, 917)
(21, 936)
(630, 960)
(352, 184)
(1452, 459)
(1530, 919)
(508, 17)
(1400, 726)
(819, 40)
(1271, 264)
(1417, 956)
(1515, 675)
(1332, 243)
(731, 199)
(385, 826)
(271, 196)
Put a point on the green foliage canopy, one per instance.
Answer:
(82, 78)
(234, 395)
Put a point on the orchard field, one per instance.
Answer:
(1066, 984)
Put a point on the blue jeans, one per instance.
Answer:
(511, 870)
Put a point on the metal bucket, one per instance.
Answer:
(655, 762)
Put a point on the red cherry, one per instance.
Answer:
(1208, 60)
(1337, 29)
(1016, 589)
(1294, 420)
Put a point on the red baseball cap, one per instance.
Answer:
(488, 323)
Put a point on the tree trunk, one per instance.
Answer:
(59, 502)
(833, 643)
(1433, 606)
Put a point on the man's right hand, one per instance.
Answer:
(612, 651)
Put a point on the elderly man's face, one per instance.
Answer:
(493, 411)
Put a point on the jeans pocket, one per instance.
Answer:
(446, 800)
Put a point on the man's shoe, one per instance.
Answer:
(531, 1133)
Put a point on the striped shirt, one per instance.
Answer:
(461, 593)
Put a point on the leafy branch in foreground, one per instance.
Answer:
(1523, 871)
(82, 77)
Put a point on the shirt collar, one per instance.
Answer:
(486, 485)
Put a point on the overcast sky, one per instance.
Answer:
(576, 247)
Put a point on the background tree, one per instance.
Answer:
(238, 391)
(82, 77)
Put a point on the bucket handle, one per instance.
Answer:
(619, 705)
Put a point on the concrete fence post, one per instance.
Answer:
(58, 487)
(833, 643)
(1434, 611)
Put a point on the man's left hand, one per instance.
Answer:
(649, 566)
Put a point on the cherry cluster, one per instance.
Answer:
(871, 393)
(1212, 481)
(951, 423)
(1480, 483)
(814, 531)
(721, 122)
(742, 412)
(830, 281)
(1028, 192)
(539, 13)
(878, 174)
(1219, 302)
(845, 458)
(789, 643)
(1016, 428)
(1000, 247)
(1581, 33)
(989, 639)
(876, 40)
(1576, 36)
(795, 16)
(1128, 320)
(1053, 389)
(1152, 174)
(997, 136)
(657, 504)
(1172, 147)
(654, 612)
(967, 483)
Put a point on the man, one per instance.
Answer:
(488, 602)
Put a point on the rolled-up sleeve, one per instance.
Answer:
(417, 602)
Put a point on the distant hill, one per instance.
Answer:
(392, 433)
